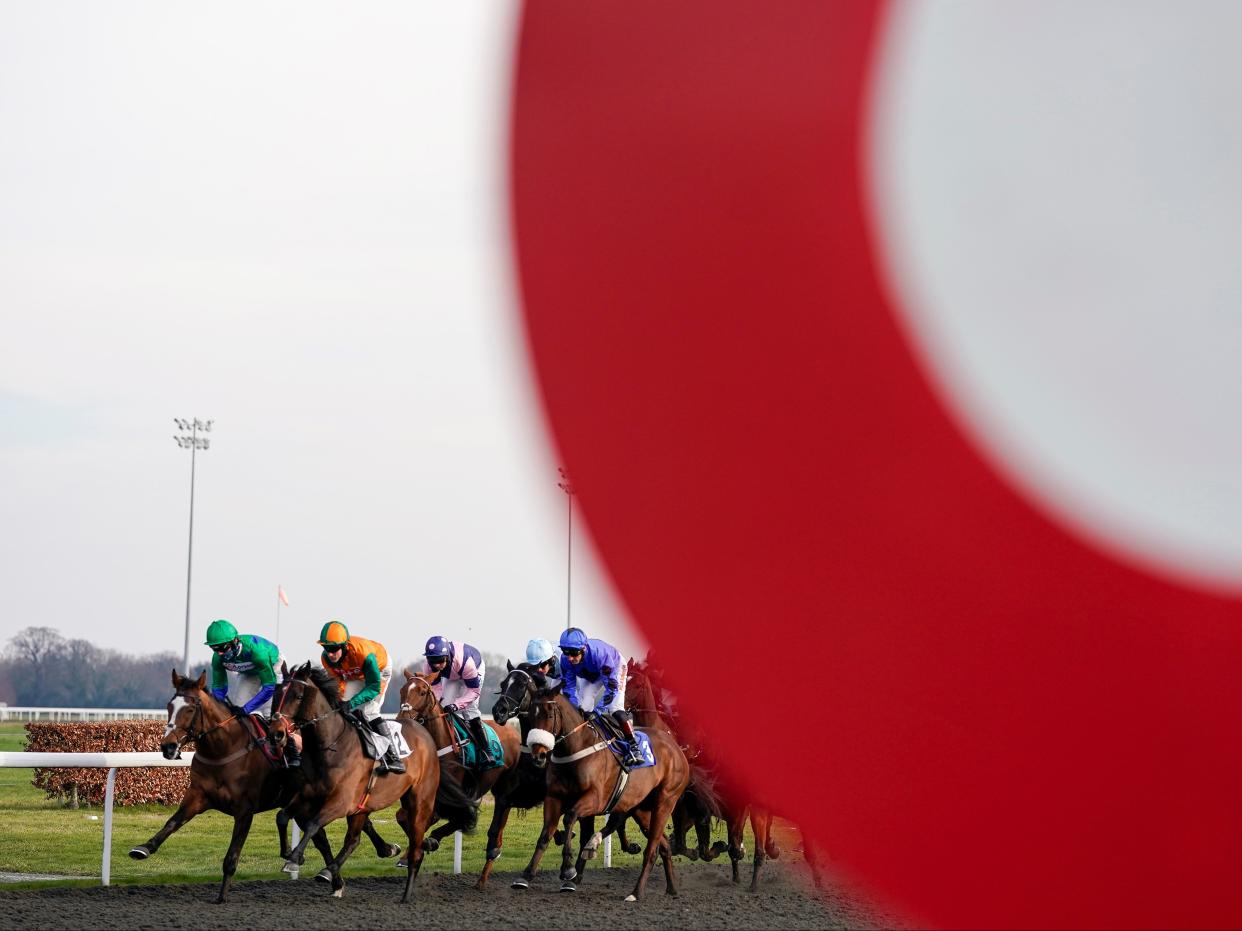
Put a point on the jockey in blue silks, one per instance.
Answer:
(594, 681)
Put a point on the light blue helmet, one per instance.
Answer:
(573, 639)
(539, 651)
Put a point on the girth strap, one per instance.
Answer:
(623, 777)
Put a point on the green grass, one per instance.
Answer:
(42, 835)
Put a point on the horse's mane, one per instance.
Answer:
(327, 684)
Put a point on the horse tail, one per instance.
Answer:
(452, 802)
(704, 788)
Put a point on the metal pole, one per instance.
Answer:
(278, 614)
(457, 851)
(608, 851)
(109, 794)
(189, 563)
(569, 561)
(297, 836)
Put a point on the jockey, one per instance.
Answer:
(542, 656)
(363, 671)
(594, 680)
(457, 672)
(243, 672)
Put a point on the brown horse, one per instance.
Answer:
(419, 702)
(229, 773)
(697, 808)
(339, 781)
(584, 782)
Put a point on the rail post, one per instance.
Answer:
(105, 872)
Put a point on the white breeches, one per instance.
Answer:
(589, 692)
(454, 689)
(371, 710)
(244, 687)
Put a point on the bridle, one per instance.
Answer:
(296, 724)
(421, 717)
(189, 730)
(519, 707)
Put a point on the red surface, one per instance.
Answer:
(1001, 726)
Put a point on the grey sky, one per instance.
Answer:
(290, 219)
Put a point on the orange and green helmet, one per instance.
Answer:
(334, 634)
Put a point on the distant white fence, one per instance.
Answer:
(31, 713)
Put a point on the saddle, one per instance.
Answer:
(257, 728)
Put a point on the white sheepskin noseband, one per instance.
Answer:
(540, 738)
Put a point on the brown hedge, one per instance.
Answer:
(134, 785)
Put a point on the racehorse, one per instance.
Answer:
(339, 781)
(419, 702)
(229, 773)
(697, 808)
(583, 783)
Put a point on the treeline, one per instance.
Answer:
(41, 667)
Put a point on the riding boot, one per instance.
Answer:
(293, 756)
(633, 755)
(483, 753)
(391, 762)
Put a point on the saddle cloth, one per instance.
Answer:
(618, 746)
(377, 745)
(469, 751)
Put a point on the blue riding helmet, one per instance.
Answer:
(539, 651)
(573, 639)
(438, 646)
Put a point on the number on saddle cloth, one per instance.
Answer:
(619, 745)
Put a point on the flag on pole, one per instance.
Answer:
(280, 593)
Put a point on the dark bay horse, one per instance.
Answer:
(696, 808)
(229, 773)
(340, 781)
(586, 780)
(419, 702)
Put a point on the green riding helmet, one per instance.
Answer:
(220, 632)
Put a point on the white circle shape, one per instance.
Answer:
(1056, 189)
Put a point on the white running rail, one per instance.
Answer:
(110, 761)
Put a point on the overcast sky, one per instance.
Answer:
(291, 220)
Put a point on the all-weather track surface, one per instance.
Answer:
(707, 899)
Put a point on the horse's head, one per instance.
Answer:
(279, 732)
(516, 690)
(418, 701)
(185, 713)
(292, 695)
(547, 716)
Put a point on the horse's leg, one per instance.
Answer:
(551, 815)
(282, 831)
(320, 840)
(590, 843)
(495, 839)
(241, 828)
(310, 827)
(194, 803)
(656, 841)
(431, 842)
(353, 834)
(418, 814)
(568, 873)
(383, 849)
(627, 845)
(737, 841)
(761, 827)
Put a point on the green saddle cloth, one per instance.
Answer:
(469, 752)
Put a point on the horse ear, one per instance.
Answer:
(409, 676)
(556, 689)
(304, 670)
(508, 666)
(284, 670)
(176, 679)
(202, 679)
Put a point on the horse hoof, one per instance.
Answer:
(140, 852)
(631, 898)
(519, 884)
(338, 893)
(633, 848)
(559, 837)
(430, 845)
(401, 864)
(393, 850)
(568, 887)
(692, 854)
(324, 875)
(290, 867)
